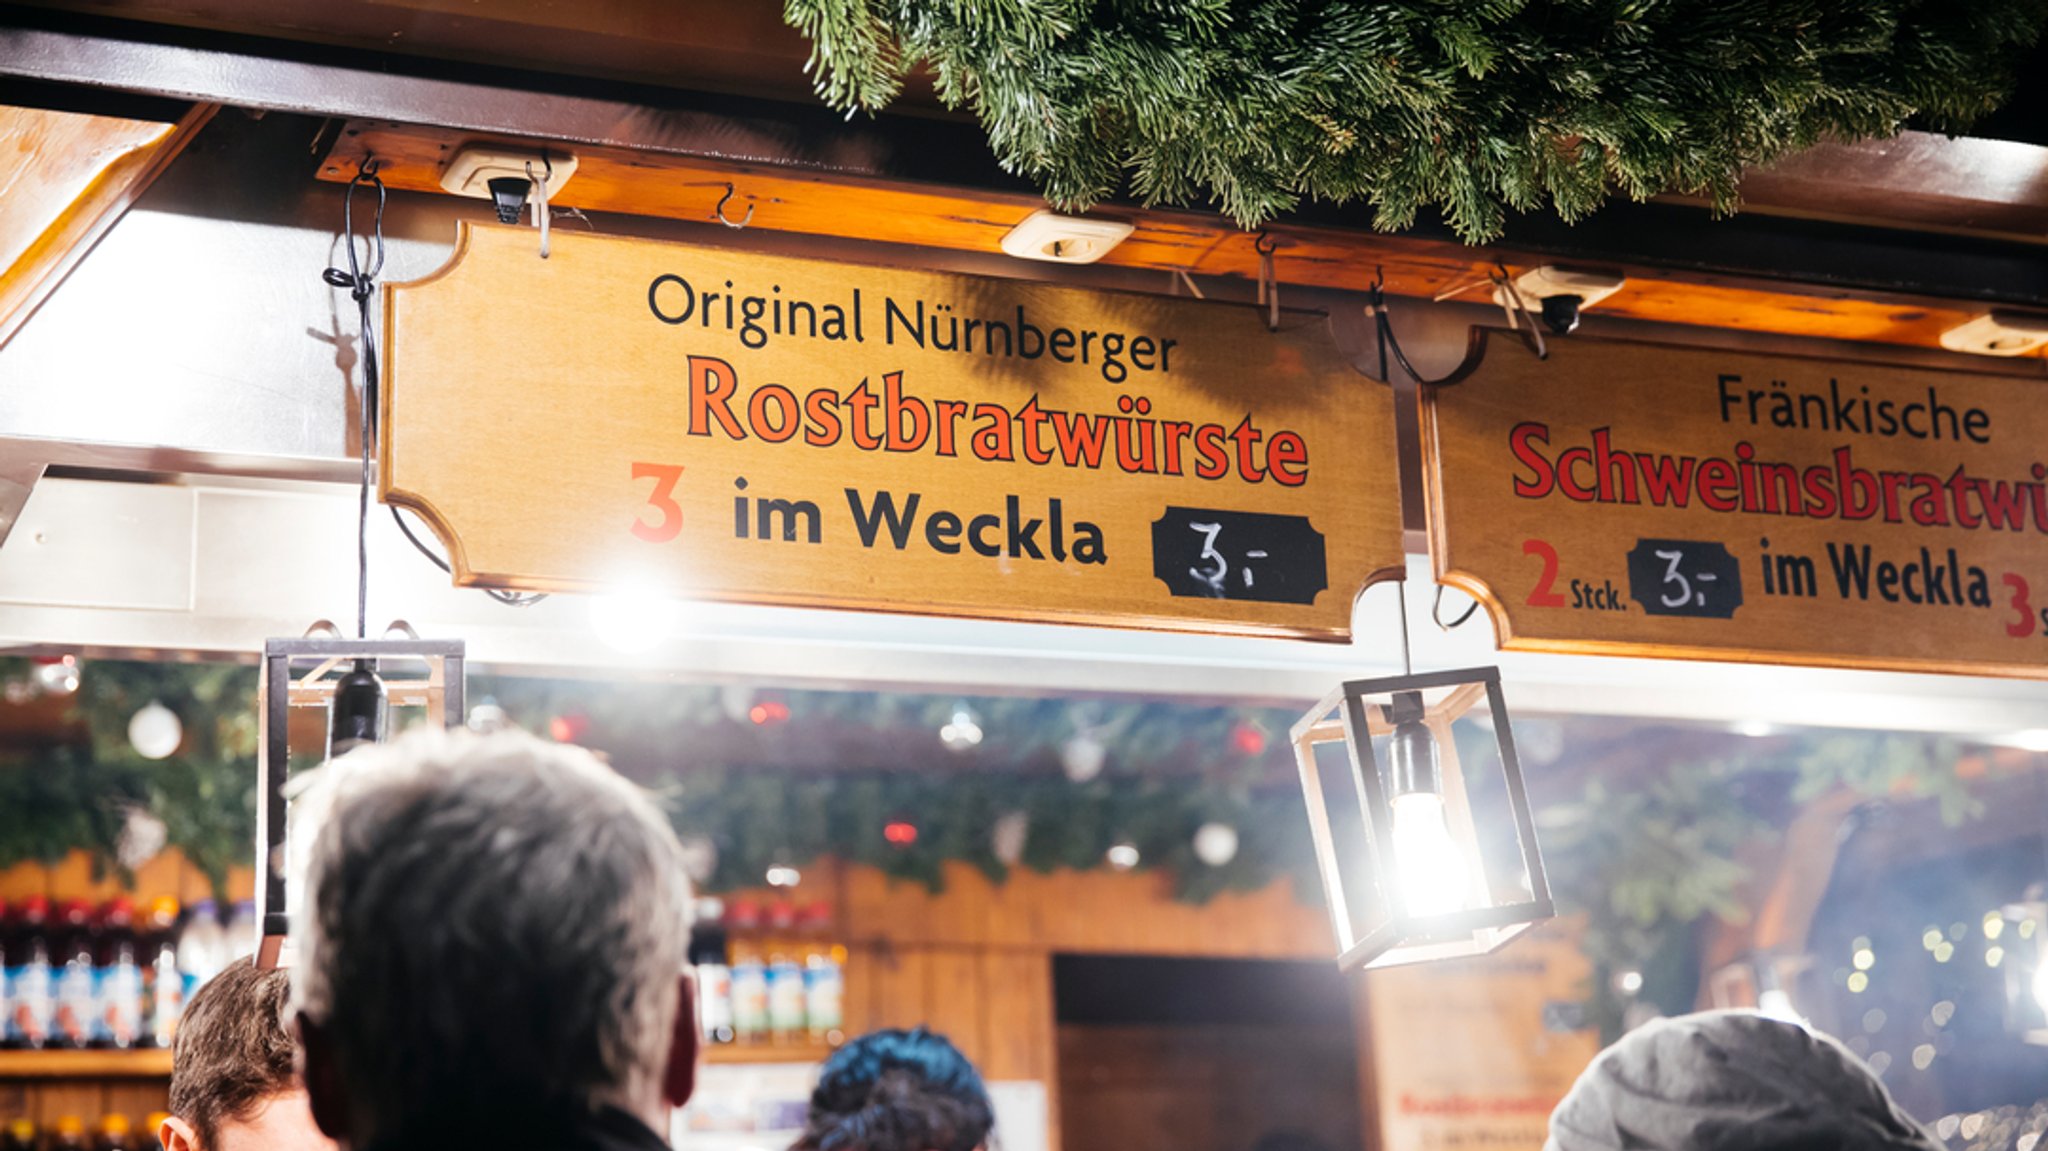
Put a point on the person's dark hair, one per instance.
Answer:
(232, 1052)
(898, 1090)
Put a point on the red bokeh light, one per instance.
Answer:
(768, 712)
(1247, 739)
(568, 728)
(900, 832)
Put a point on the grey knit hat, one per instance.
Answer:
(1723, 1080)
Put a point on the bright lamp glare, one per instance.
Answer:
(1434, 879)
(633, 620)
(2041, 985)
(1776, 1004)
(2032, 739)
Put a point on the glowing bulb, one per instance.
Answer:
(1754, 728)
(783, 875)
(2032, 739)
(155, 731)
(1433, 872)
(633, 621)
(1123, 856)
(1858, 982)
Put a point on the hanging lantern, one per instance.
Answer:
(1439, 863)
(357, 682)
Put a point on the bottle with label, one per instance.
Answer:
(77, 977)
(200, 946)
(749, 976)
(117, 1022)
(69, 1134)
(163, 990)
(20, 1135)
(714, 976)
(30, 978)
(243, 932)
(785, 976)
(7, 945)
(824, 977)
(115, 1134)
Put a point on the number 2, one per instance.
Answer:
(663, 499)
(1672, 573)
(1541, 595)
(2024, 625)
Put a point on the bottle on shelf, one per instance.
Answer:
(785, 976)
(77, 977)
(749, 975)
(163, 989)
(200, 946)
(30, 978)
(68, 1134)
(243, 932)
(115, 1134)
(7, 945)
(117, 1020)
(714, 975)
(19, 1135)
(824, 977)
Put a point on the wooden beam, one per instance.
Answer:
(827, 203)
(65, 178)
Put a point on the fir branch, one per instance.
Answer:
(1473, 109)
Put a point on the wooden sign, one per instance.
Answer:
(1476, 1053)
(1633, 499)
(718, 425)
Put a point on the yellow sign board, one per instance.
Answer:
(1632, 499)
(721, 425)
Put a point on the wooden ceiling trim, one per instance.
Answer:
(838, 204)
(65, 178)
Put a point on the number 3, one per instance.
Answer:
(662, 499)
(2024, 625)
(1672, 573)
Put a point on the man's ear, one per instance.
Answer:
(177, 1135)
(681, 1080)
(321, 1073)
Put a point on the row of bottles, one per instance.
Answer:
(69, 1133)
(768, 977)
(74, 976)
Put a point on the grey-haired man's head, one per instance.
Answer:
(495, 932)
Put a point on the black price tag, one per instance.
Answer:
(1685, 577)
(1239, 555)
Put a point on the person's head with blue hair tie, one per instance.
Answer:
(898, 1090)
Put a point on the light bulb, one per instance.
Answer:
(155, 731)
(1434, 879)
(2041, 984)
(634, 620)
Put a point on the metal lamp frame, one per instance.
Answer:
(1346, 715)
(441, 692)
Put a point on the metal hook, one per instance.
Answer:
(1269, 283)
(541, 214)
(719, 211)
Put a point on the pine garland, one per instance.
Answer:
(1474, 107)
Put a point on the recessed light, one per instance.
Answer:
(1064, 239)
(1999, 332)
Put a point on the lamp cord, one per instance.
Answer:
(362, 285)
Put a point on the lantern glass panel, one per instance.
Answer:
(1430, 852)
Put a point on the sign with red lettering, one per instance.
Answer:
(719, 425)
(1632, 499)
